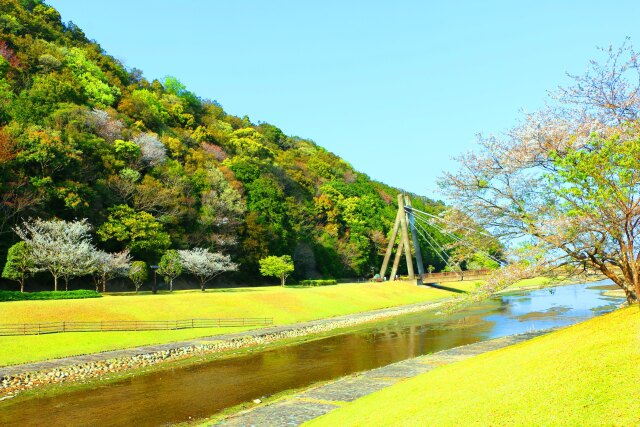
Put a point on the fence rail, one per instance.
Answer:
(468, 273)
(128, 325)
(456, 275)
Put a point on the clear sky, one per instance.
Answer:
(396, 88)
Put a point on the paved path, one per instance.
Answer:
(150, 349)
(317, 401)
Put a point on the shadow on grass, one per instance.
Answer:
(180, 292)
(445, 288)
(308, 287)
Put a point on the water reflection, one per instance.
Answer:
(191, 392)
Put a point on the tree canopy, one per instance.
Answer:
(564, 185)
(152, 166)
(277, 266)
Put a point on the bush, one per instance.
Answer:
(321, 282)
(46, 295)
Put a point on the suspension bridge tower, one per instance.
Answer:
(405, 221)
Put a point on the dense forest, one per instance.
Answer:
(153, 166)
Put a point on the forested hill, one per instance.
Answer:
(153, 166)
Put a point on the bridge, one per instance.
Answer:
(411, 221)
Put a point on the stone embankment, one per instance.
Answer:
(316, 401)
(14, 379)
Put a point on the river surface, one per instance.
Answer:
(191, 392)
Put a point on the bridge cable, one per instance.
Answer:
(458, 239)
(432, 246)
(448, 222)
(462, 241)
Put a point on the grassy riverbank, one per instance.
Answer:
(587, 374)
(285, 305)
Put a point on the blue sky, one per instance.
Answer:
(395, 88)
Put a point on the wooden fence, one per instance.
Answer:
(128, 325)
(450, 276)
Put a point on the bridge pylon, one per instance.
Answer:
(404, 218)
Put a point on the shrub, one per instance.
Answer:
(47, 295)
(321, 282)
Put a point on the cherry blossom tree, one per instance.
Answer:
(206, 265)
(152, 149)
(108, 128)
(107, 266)
(63, 248)
(562, 188)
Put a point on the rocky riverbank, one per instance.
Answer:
(15, 379)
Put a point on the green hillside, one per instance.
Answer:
(81, 136)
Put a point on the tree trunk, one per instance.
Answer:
(170, 285)
(66, 284)
(104, 283)
(202, 285)
(22, 285)
(282, 279)
(631, 297)
(55, 283)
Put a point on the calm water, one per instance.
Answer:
(197, 391)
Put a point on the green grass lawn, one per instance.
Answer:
(285, 305)
(585, 375)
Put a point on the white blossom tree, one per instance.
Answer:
(108, 128)
(63, 248)
(206, 265)
(107, 266)
(565, 183)
(152, 149)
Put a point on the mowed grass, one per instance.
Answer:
(285, 305)
(585, 375)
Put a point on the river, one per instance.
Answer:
(196, 391)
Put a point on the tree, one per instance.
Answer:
(170, 266)
(139, 232)
(152, 150)
(107, 266)
(20, 264)
(61, 247)
(138, 273)
(566, 182)
(128, 151)
(277, 266)
(205, 265)
(108, 128)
